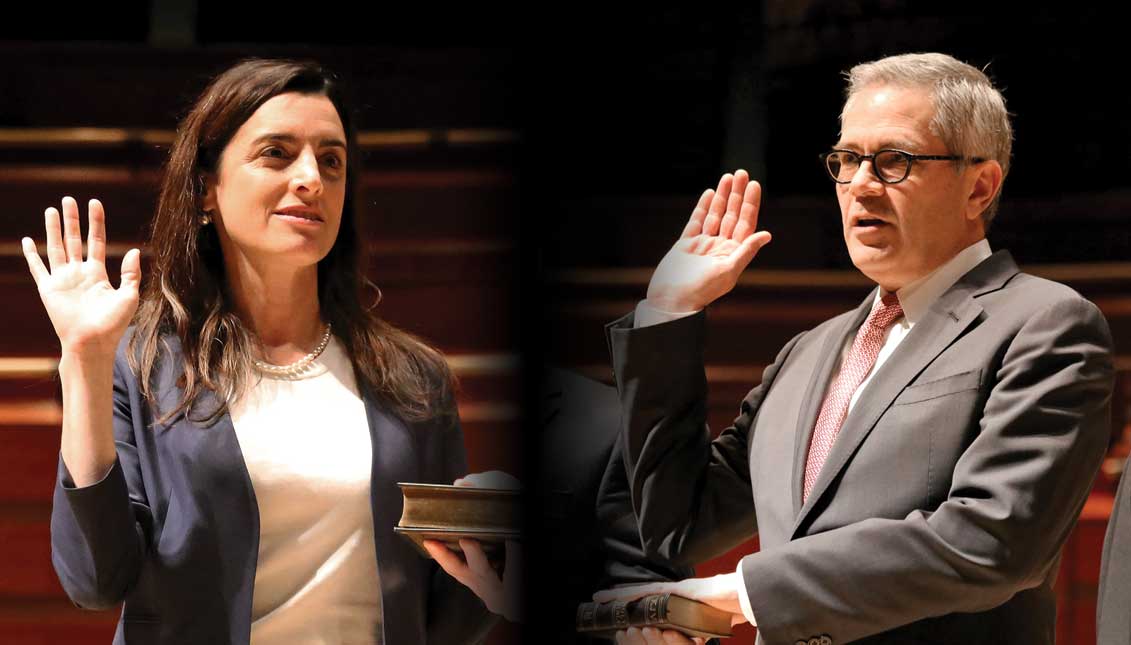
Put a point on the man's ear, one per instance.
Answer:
(987, 183)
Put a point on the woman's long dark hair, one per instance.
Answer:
(186, 294)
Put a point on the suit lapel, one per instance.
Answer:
(815, 393)
(944, 322)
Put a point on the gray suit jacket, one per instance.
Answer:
(1113, 606)
(173, 529)
(954, 481)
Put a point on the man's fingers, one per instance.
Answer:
(734, 203)
(96, 232)
(672, 637)
(718, 206)
(56, 256)
(72, 231)
(695, 224)
(749, 248)
(748, 212)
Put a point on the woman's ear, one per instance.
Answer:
(207, 186)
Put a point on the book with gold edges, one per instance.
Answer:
(662, 611)
(448, 513)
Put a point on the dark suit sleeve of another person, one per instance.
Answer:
(624, 560)
(455, 613)
(1015, 492)
(1113, 608)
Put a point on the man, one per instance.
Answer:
(912, 467)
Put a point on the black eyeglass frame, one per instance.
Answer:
(908, 157)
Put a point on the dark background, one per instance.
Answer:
(658, 105)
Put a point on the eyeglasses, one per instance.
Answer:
(890, 166)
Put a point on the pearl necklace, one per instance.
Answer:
(293, 369)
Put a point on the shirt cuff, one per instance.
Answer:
(743, 598)
(647, 315)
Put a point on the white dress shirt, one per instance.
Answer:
(306, 444)
(915, 298)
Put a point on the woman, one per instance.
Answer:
(229, 462)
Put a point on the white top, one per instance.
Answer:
(306, 443)
(915, 298)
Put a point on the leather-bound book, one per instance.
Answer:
(662, 611)
(448, 513)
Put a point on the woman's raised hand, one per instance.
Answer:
(89, 315)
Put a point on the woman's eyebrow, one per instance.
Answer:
(290, 138)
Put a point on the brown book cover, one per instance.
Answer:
(662, 611)
(449, 513)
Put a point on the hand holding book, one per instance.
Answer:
(499, 590)
(719, 594)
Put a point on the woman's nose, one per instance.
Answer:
(307, 175)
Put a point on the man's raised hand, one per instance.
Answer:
(716, 245)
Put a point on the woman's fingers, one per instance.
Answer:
(96, 232)
(449, 561)
(476, 559)
(131, 270)
(72, 232)
(56, 256)
(34, 262)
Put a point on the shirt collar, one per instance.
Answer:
(917, 297)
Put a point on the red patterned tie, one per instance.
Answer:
(855, 368)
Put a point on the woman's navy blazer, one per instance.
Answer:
(173, 528)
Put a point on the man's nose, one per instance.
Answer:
(865, 181)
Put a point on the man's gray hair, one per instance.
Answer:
(970, 115)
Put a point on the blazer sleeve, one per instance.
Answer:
(455, 613)
(1015, 495)
(99, 533)
(692, 496)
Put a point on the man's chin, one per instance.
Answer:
(876, 263)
